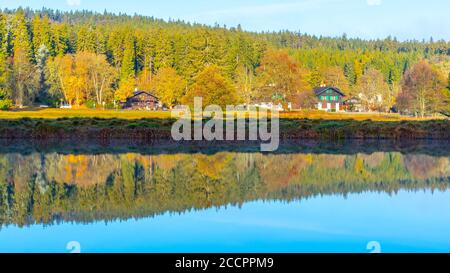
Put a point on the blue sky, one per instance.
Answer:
(404, 19)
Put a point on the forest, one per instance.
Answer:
(97, 60)
(52, 187)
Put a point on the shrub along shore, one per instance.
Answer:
(148, 129)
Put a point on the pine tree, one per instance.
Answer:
(41, 63)
(86, 40)
(42, 34)
(129, 59)
(116, 47)
(3, 35)
(349, 73)
(21, 36)
(164, 50)
(61, 39)
(3, 53)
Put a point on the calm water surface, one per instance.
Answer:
(224, 202)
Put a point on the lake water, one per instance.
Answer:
(228, 200)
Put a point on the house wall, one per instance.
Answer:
(330, 100)
(142, 102)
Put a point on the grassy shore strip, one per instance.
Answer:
(159, 129)
(366, 129)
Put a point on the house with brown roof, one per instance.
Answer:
(142, 100)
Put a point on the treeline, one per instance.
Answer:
(55, 187)
(97, 60)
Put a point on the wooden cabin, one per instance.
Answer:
(142, 100)
(330, 98)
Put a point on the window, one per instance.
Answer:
(337, 98)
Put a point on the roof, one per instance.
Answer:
(138, 93)
(320, 90)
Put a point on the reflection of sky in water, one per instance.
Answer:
(405, 222)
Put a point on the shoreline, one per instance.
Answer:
(157, 147)
(160, 129)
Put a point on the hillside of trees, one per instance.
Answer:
(96, 60)
(52, 187)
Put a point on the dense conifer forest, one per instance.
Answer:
(96, 60)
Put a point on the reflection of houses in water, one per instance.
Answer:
(92, 187)
(41, 182)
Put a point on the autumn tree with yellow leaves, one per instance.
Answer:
(213, 87)
(169, 86)
(82, 77)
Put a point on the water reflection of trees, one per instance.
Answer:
(47, 188)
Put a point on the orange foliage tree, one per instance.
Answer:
(424, 90)
(280, 78)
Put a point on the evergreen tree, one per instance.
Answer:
(42, 34)
(86, 39)
(61, 39)
(21, 36)
(129, 59)
(41, 65)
